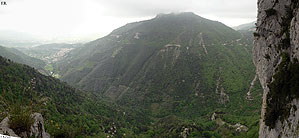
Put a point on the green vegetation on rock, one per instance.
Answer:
(20, 119)
(283, 90)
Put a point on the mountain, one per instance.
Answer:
(174, 64)
(17, 56)
(248, 26)
(68, 112)
(10, 38)
(21, 39)
(276, 58)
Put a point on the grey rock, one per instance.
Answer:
(4, 128)
(270, 25)
(37, 129)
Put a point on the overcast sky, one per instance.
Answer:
(95, 18)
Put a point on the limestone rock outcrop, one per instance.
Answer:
(276, 58)
(37, 129)
(4, 128)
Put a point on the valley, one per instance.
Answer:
(50, 54)
(169, 76)
(149, 69)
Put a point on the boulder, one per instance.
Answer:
(4, 128)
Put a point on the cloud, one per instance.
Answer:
(142, 7)
(83, 17)
(137, 8)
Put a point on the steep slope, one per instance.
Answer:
(17, 56)
(68, 112)
(174, 64)
(247, 26)
(276, 58)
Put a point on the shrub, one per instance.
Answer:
(20, 119)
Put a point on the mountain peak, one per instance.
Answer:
(177, 14)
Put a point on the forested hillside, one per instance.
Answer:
(175, 64)
(68, 112)
(22, 58)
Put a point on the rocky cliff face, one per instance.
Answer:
(276, 58)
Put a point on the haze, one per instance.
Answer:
(85, 20)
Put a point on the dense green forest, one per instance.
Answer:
(68, 112)
(72, 113)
